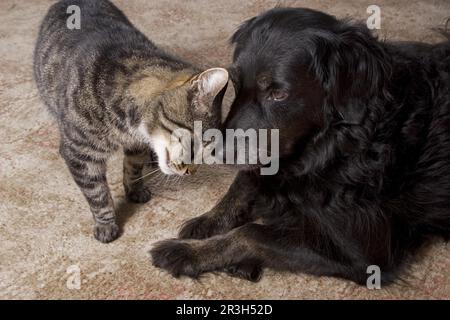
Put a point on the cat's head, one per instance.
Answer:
(186, 99)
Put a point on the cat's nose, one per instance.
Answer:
(190, 169)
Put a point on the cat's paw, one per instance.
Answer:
(176, 257)
(106, 232)
(199, 228)
(248, 269)
(140, 195)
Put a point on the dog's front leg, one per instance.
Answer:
(245, 251)
(234, 210)
(235, 252)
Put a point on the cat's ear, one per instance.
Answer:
(208, 85)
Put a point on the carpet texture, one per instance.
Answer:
(45, 224)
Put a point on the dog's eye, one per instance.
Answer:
(278, 95)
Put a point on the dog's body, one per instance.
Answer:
(365, 154)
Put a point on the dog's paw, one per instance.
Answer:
(176, 257)
(249, 269)
(140, 195)
(106, 232)
(199, 228)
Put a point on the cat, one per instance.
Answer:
(108, 86)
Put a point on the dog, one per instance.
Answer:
(364, 130)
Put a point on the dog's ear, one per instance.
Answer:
(240, 37)
(242, 32)
(352, 67)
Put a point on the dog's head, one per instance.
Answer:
(299, 70)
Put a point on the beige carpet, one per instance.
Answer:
(45, 225)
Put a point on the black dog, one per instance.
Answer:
(365, 154)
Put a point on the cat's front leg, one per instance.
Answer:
(90, 175)
(133, 164)
(234, 210)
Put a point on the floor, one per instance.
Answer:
(46, 242)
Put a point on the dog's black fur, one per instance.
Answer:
(365, 154)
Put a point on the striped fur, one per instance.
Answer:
(109, 87)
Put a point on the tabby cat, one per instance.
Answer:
(109, 87)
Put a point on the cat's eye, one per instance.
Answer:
(278, 95)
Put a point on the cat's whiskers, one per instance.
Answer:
(166, 180)
(179, 181)
(159, 178)
(149, 162)
(146, 175)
